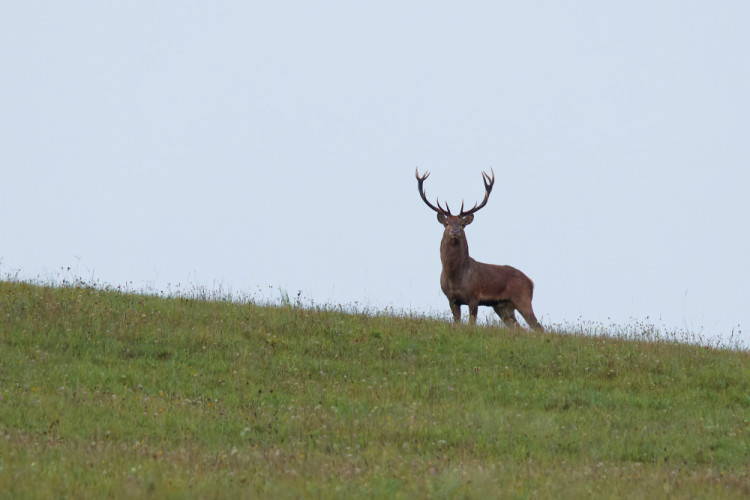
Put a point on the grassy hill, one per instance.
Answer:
(105, 393)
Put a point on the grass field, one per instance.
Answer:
(120, 395)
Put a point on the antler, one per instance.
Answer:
(488, 183)
(438, 209)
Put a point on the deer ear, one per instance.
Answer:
(442, 218)
(467, 220)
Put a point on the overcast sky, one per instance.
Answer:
(260, 146)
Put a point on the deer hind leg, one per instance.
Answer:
(506, 312)
(528, 314)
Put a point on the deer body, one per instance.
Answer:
(465, 281)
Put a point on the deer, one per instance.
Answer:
(465, 281)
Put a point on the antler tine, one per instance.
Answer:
(488, 184)
(420, 181)
(447, 208)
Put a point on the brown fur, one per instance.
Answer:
(468, 282)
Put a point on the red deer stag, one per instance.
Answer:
(468, 282)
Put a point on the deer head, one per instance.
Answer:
(455, 224)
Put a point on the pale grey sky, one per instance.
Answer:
(273, 144)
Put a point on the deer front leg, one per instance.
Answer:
(456, 310)
(473, 311)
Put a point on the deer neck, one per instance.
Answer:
(454, 255)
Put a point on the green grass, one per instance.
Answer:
(115, 394)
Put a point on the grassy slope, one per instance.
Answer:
(105, 393)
